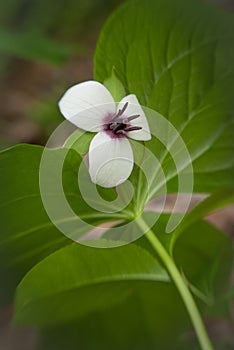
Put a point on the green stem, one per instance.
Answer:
(182, 288)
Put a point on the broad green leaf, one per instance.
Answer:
(142, 307)
(208, 205)
(98, 332)
(27, 234)
(205, 256)
(177, 57)
(79, 141)
(87, 280)
(224, 305)
(151, 317)
(114, 85)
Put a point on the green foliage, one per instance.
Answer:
(99, 277)
(79, 284)
(211, 271)
(79, 141)
(150, 317)
(177, 57)
(27, 234)
(114, 85)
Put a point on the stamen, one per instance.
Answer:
(127, 120)
(133, 128)
(133, 117)
(118, 120)
(124, 108)
(120, 112)
(120, 125)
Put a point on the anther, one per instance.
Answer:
(120, 112)
(133, 128)
(124, 108)
(133, 117)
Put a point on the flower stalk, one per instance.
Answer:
(181, 286)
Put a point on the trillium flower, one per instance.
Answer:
(91, 107)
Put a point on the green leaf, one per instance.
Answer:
(27, 234)
(142, 306)
(202, 252)
(208, 205)
(79, 141)
(177, 57)
(83, 280)
(205, 256)
(151, 317)
(114, 85)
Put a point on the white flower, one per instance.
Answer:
(91, 107)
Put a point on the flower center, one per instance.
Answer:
(121, 125)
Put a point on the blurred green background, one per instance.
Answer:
(45, 46)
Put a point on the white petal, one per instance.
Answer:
(134, 108)
(87, 104)
(110, 160)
